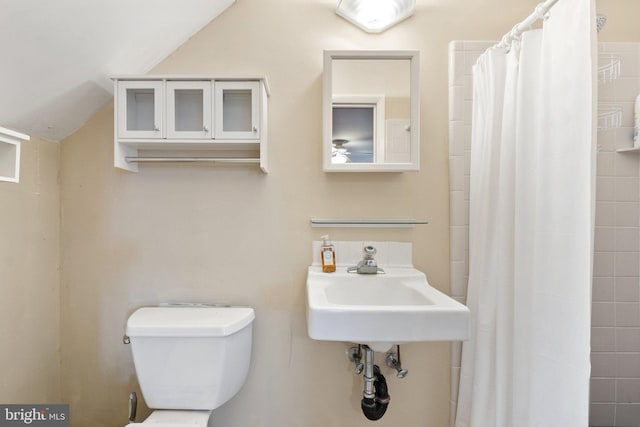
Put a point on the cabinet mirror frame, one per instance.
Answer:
(413, 57)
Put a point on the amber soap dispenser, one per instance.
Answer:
(328, 255)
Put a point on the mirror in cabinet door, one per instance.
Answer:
(140, 109)
(189, 109)
(371, 111)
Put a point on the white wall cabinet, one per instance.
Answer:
(190, 119)
(10, 154)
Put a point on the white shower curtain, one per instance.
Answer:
(531, 226)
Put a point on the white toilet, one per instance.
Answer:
(189, 360)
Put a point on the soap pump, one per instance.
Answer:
(328, 255)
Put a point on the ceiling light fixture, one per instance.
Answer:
(375, 16)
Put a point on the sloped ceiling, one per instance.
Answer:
(56, 57)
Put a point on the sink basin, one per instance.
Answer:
(381, 310)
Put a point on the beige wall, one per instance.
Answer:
(234, 234)
(29, 278)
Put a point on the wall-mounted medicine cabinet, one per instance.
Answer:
(190, 119)
(10, 154)
(371, 111)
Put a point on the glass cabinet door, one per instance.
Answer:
(189, 109)
(140, 109)
(237, 110)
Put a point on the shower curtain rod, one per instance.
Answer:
(539, 13)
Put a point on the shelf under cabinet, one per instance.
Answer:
(195, 144)
(628, 150)
(130, 153)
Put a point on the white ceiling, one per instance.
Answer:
(57, 56)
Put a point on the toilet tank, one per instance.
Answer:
(190, 357)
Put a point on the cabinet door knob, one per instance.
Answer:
(255, 129)
(155, 128)
(205, 128)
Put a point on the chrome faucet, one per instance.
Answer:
(368, 264)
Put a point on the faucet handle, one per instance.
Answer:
(393, 361)
(355, 355)
(369, 252)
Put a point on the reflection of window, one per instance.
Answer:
(357, 129)
(353, 133)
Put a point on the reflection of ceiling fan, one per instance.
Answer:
(339, 153)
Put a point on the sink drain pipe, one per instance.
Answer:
(375, 397)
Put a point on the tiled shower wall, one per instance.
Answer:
(615, 357)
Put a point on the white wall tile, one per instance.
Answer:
(400, 254)
(628, 62)
(606, 92)
(458, 279)
(456, 104)
(626, 264)
(456, 173)
(627, 365)
(603, 264)
(626, 189)
(627, 415)
(349, 252)
(603, 339)
(601, 414)
(467, 139)
(626, 88)
(606, 141)
(628, 314)
(606, 163)
(628, 391)
(627, 239)
(603, 365)
(603, 314)
(456, 138)
(471, 57)
(605, 214)
(628, 340)
(457, 70)
(468, 88)
(459, 236)
(605, 239)
(458, 209)
(603, 390)
(618, 47)
(627, 214)
(605, 189)
(627, 289)
(468, 110)
(628, 118)
(625, 165)
(603, 289)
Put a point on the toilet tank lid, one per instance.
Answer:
(197, 321)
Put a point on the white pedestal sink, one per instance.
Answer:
(381, 310)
